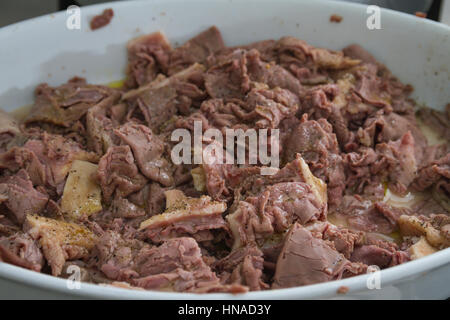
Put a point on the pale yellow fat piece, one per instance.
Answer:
(199, 179)
(421, 249)
(413, 226)
(82, 195)
(345, 85)
(59, 240)
(181, 207)
(61, 232)
(318, 187)
(173, 197)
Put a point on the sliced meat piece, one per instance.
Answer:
(269, 107)
(304, 54)
(307, 260)
(176, 265)
(377, 87)
(274, 211)
(163, 99)
(158, 106)
(401, 162)
(318, 146)
(330, 102)
(122, 208)
(197, 49)
(364, 215)
(18, 158)
(399, 93)
(391, 127)
(344, 240)
(374, 255)
(7, 226)
(185, 216)
(66, 104)
(214, 112)
(151, 198)
(262, 108)
(19, 196)
(369, 87)
(390, 212)
(148, 150)
(359, 168)
(247, 226)
(250, 182)
(307, 63)
(271, 74)
(232, 76)
(60, 241)
(118, 174)
(215, 172)
(99, 127)
(147, 56)
(290, 201)
(431, 173)
(229, 79)
(428, 207)
(264, 47)
(56, 153)
(355, 51)
(192, 74)
(115, 255)
(21, 250)
(394, 162)
(242, 266)
(380, 256)
(313, 139)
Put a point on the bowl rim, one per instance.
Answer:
(90, 9)
(388, 276)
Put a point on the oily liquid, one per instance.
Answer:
(432, 136)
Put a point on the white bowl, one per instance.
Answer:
(44, 50)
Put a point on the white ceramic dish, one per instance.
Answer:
(44, 50)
